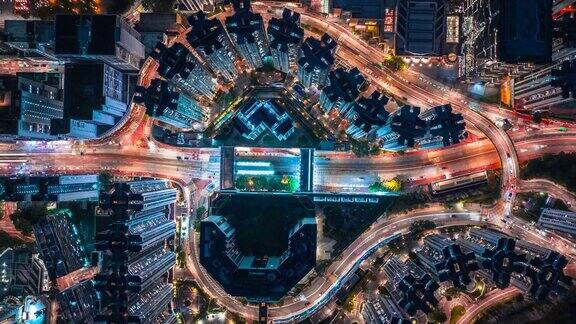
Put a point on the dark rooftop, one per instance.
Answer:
(565, 78)
(83, 88)
(371, 9)
(408, 125)
(172, 60)
(448, 125)
(205, 33)
(86, 34)
(525, 31)
(285, 30)
(157, 97)
(317, 53)
(344, 85)
(370, 111)
(243, 23)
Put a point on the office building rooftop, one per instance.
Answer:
(525, 33)
(421, 27)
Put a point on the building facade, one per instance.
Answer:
(246, 30)
(558, 220)
(177, 64)
(96, 97)
(260, 278)
(285, 37)
(210, 40)
(60, 188)
(169, 106)
(316, 61)
(368, 115)
(137, 249)
(31, 101)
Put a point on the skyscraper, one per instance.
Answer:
(31, 101)
(285, 36)
(367, 115)
(59, 244)
(209, 39)
(344, 88)
(177, 64)
(316, 61)
(165, 104)
(421, 27)
(96, 96)
(134, 286)
(105, 37)
(246, 30)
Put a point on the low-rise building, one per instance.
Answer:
(259, 277)
(560, 221)
(60, 188)
(257, 116)
(59, 244)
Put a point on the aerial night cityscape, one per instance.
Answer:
(301, 161)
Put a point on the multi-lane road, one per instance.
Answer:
(495, 149)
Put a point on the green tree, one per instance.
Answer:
(23, 219)
(118, 7)
(395, 62)
(7, 241)
(375, 150)
(438, 316)
(159, 5)
(417, 228)
(360, 148)
(105, 180)
(200, 212)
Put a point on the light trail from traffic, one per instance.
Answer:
(116, 153)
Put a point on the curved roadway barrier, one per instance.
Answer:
(497, 297)
(146, 162)
(550, 187)
(323, 288)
